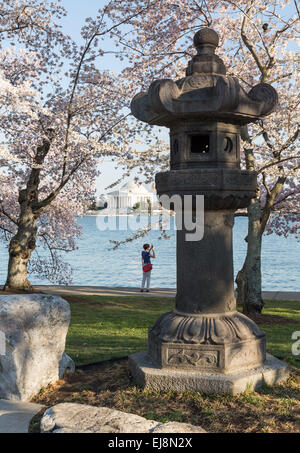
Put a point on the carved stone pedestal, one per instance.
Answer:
(214, 343)
(151, 377)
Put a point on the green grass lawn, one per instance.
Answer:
(105, 327)
(279, 337)
(113, 327)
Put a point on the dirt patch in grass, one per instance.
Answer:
(110, 384)
(270, 320)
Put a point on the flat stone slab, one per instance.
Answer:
(15, 416)
(81, 418)
(147, 375)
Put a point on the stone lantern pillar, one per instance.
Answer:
(205, 344)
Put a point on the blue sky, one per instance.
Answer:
(78, 11)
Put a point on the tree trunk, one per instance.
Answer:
(23, 243)
(20, 249)
(249, 278)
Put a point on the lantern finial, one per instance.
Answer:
(206, 38)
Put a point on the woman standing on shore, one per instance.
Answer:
(147, 266)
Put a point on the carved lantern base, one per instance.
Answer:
(215, 343)
(151, 377)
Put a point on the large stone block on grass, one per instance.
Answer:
(35, 328)
(80, 418)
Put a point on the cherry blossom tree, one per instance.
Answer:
(59, 115)
(258, 42)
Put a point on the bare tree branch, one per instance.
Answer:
(272, 164)
(7, 215)
(42, 204)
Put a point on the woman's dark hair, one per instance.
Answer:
(146, 246)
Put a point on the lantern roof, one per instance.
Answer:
(205, 94)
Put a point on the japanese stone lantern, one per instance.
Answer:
(205, 344)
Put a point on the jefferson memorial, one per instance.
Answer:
(130, 195)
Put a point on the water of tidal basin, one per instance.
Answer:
(95, 265)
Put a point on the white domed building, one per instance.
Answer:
(130, 195)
